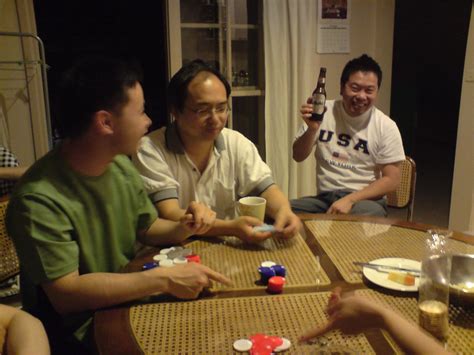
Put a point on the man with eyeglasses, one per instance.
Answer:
(197, 158)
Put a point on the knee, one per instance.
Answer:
(307, 205)
(369, 208)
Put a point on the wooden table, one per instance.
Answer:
(122, 330)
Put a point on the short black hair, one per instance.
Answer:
(178, 86)
(92, 84)
(364, 63)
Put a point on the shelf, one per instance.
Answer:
(230, 37)
(218, 25)
(200, 25)
(244, 27)
(238, 91)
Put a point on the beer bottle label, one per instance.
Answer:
(318, 103)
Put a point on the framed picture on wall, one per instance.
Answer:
(336, 12)
(334, 9)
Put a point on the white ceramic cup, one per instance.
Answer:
(252, 206)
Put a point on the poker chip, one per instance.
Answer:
(242, 345)
(150, 265)
(180, 260)
(160, 257)
(193, 258)
(165, 250)
(167, 263)
(266, 344)
(185, 252)
(264, 228)
(268, 263)
(265, 274)
(280, 270)
(275, 284)
(174, 254)
(284, 346)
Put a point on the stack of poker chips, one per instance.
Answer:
(262, 344)
(170, 257)
(272, 275)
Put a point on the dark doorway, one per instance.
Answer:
(128, 29)
(430, 39)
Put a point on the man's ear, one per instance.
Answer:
(103, 122)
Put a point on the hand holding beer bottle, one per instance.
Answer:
(319, 97)
(313, 111)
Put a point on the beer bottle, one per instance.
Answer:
(319, 97)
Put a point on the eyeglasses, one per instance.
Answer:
(220, 111)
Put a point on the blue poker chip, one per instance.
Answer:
(150, 265)
(265, 274)
(264, 228)
(280, 270)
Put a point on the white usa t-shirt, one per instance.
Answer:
(350, 150)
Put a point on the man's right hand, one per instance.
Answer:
(350, 313)
(306, 111)
(188, 280)
(198, 218)
(243, 228)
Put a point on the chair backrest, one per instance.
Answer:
(9, 264)
(404, 195)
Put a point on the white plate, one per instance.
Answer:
(381, 278)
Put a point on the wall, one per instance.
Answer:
(462, 197)
(21, 94)
(372, 33)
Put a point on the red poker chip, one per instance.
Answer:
(193, 258)
(261, 349)
(264, 344)
(276, 341)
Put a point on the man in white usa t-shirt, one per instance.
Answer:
(358, 148)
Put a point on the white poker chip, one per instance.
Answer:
(268, 264)
(180, 260)
(166, 263)
(285, 346)
(165, 251)
(186, 252)
(242, 345)
(160, 257)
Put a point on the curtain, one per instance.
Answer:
(4, 133)
(291, 69)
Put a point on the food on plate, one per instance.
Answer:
(467, 286)
(402, 278)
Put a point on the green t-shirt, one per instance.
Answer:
(61, 221)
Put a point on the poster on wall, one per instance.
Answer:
(333, 26)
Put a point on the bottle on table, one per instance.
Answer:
(319, 97)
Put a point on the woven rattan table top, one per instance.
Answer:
(240, 262)
(349, 241)
(9, 264)
(461, 327)
(211, 326)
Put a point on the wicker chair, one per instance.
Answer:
(9, 264)
(404, 195)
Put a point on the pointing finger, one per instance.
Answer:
(214, 275)
(318, 331)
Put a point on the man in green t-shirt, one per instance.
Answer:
(78, 211)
